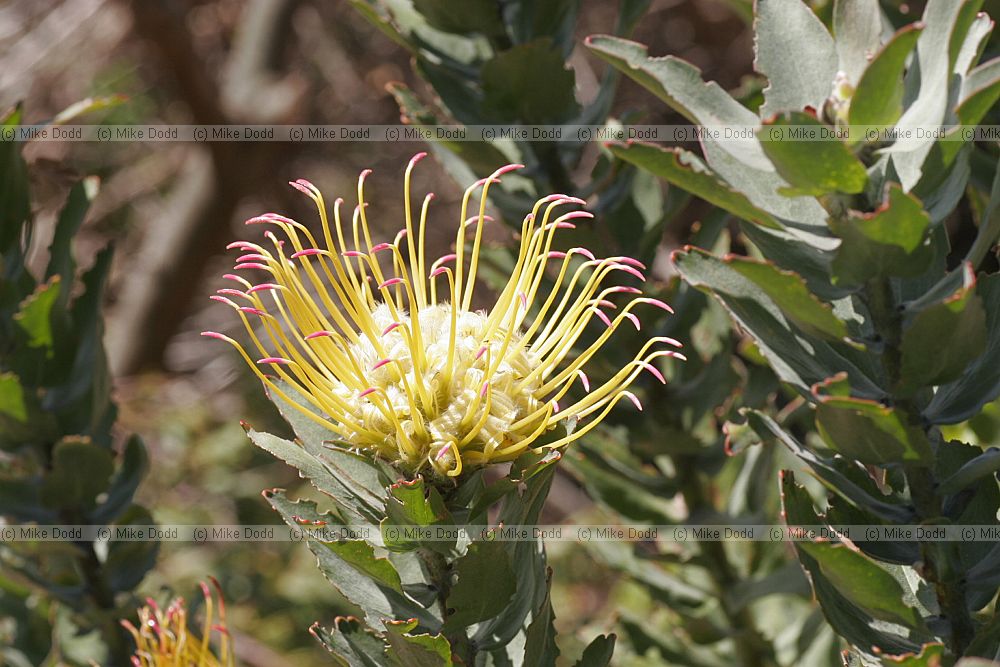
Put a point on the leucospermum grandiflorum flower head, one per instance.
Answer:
(383, 345)
(162, 638)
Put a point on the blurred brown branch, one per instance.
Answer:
(178, 245)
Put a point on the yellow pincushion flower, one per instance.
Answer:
(385, 347)
(162, 638)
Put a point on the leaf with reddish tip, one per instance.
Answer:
(960, 317)
(416, 650)
(870, 432)
(890, 242)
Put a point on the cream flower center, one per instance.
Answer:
(470, 403)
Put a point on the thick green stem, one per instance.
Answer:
(941, 565)
(439, 571)
(751, 647)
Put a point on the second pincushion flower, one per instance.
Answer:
(383, 345)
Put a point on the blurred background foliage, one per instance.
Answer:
(169, 209)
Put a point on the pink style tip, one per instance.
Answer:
(635, 401)
(216, 335)
(379, 247)
(306, 252)
(242, 245)
(573, 215)
(624, 289)
(225, 300)
(249, 265)
(444, 258)
(485, 390)
(250, 257)
(380, 363)
(634, 319)
(252, 311)
(305, 187)
(656, 302)
(353, 253)
(438, 271)
(631, 270)
(390, 282)
(506, 169)
(265, 286)
(631, 261)
(231, 292)
(604, 318)
(274, 360)
(366, 392)
(584, 379)
(415, 159)
(556, 254)
(391, 327)
(583, 251)
(318, 334)
(654, 371)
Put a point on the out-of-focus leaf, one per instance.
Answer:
(529, 83)
(814, 166)
(980, 383)
(960, 317)
(857, 29)
(598, 653)
(486, 583)
(89, 105)
(133, 468)
(845, 479)
(128, 561)
(20, 498)
(70, 218)
(80, 472)
(351, 641)
(853, 592)
(663, 585)
(927, 83)
(683, 169)
(36, 317)
(479, 157)
(980, 91)
(891, 242)
(796, 362)
(789, 292)
(870, 432)
(481, 16)
(878, 96)
(15, 206)
(619, 492)
(983, 465)
(21, 418)
(782, 28)
(540, 640)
